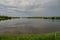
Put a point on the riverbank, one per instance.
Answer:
(43, 17)
(47, 36)
(7, 17)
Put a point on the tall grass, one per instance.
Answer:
(49, 36)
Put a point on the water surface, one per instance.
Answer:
(27, 26)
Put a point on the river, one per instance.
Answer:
(29, 26)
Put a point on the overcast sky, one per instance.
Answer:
(30, 7)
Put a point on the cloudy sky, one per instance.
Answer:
(30, 7)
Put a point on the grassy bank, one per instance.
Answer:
(49, 36)
(7, 17)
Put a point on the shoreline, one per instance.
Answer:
(42, 17)
(7, 17)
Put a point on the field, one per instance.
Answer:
(47, 36)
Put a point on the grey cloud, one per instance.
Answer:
(43, 8)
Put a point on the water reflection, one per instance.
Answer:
(25, 25)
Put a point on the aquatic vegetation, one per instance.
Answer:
(47, 36)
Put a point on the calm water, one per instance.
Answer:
(24, 25)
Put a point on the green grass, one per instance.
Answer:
(48, 36)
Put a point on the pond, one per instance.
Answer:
(29, 26)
